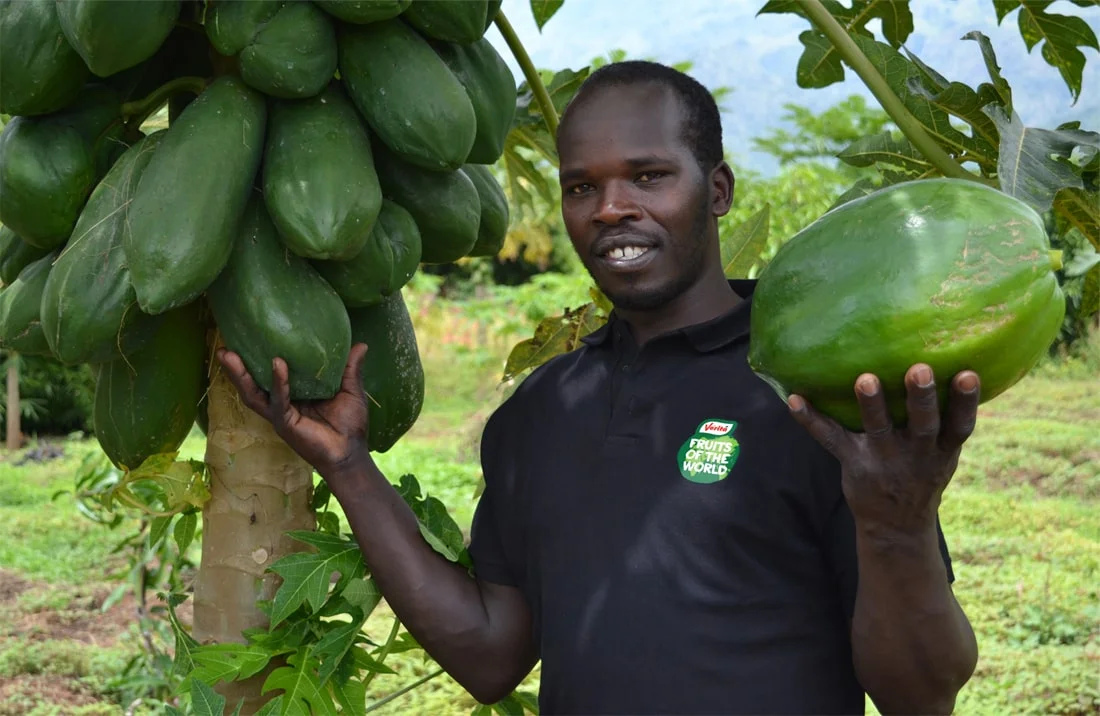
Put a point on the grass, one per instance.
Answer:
(1020, 517)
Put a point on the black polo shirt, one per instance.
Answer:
(684, 544)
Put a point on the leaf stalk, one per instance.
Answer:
(530, 73)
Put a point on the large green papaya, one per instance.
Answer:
(270, 303)
(319, 181)
(493, 226)
(491, 87)
(362, 12)
(20, 324)
(445, 206)
(146, 403)
(385, 264)
(89, 308)
(184, 215)
(285, 49)
(392, 375)
(15, 254)
(41, 71)
(49, 165)
(943, 271)
(462, 21)
(112, 36)
(409, 97)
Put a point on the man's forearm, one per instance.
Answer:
(478, 635)
(913, 646)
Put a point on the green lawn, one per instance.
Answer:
(1020, 517)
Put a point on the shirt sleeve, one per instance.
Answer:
(841, 552)
(488, 529)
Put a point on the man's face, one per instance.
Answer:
(635, 202)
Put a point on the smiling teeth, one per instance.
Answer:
(627, 252)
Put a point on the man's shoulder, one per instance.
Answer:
(542, 386)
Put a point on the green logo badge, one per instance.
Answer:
(709, 454)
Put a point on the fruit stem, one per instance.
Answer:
(140, 110)
(910, 125)
(530, 73)
(1055, 259)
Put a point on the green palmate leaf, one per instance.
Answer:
(553, 336)
(302, 692)
(1082, 209)
(1060, 36)
(436, 524)
(362, 594)
(306, 576)
(184, 532)
(328, 522)
(886, 149)
(158, 526)
(543, 10)
(899, 74)
(272, 707)
(186, 645)
(181, 481)
(205, 701)
(1090, 293)
(741, 248)
(366, 662)
(999, 84)
(226, 662)
(1033, 164)
(338, 639)
(820, 64)
(352, 696)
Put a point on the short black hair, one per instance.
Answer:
(702, 125)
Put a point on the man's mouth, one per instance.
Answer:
(625, 253)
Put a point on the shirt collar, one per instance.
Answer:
(704, 337)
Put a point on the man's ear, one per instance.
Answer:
(722, 183)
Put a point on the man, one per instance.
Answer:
(658, 527)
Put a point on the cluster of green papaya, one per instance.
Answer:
(316, 154)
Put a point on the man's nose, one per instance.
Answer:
(616, 205)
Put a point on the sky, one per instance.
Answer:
(757, 56)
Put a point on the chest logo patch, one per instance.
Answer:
(709, 454)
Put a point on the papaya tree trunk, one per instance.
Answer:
(259, 490)
(13, 402)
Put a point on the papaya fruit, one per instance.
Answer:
(445, 206)
(462, 21)
(493, 226)
(232, 25)
(362, 12)
(20, 317)
(412, 101)
(385, 264)
(15, 254)
(491, 87)
(294, 53)
(270, 303)
(89, 308)
(948, 272)
(112, 36)
(187, 207)
(392, 374)
(42, 73)
(145, 403)
(319, 181)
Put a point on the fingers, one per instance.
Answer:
(922, 403)
(873, 408)
(283, 412)
(251, 394)
(826, 431)
(962, 409)
(352, 382)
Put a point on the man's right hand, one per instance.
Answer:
(330, 435)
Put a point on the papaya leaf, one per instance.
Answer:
(1090, 293)
(227, 662)
(306, 575)
(184, 532)
(1033, 163)
(182, 483)
(186, 645)
(600, 299)
(338, 639)
(885, 148)
(272, 707)
(743, 245)
(362, 594)
(1060, 36)
(1082, 210)
(553, 336)
(509, 706)
(861, 188)
(204, 700)
(302, 692)
(899, 73)
(543, 10)
(999, 84)
(368, 663)
(352, 696)
(436, 524)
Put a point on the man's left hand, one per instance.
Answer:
(893, 477)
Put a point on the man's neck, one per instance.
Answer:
(704, 301)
